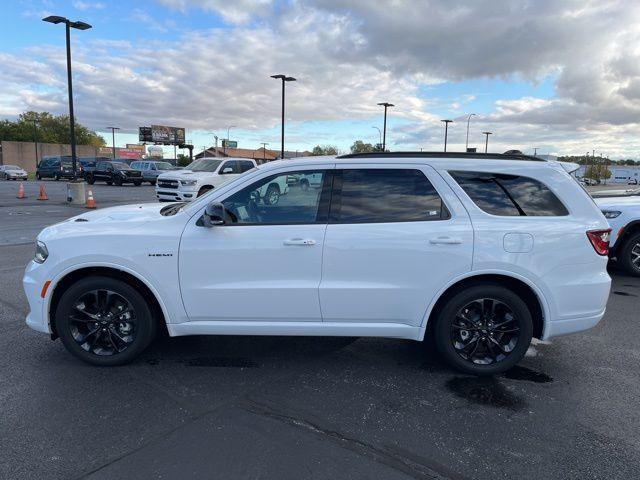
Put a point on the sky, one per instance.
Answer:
(562, 76)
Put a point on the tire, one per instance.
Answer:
(304, 184)
(630, 250)
(56, 177)
(91, 179)
(117, 181)
(109, 182)
(272, 196)
(113, 342)
(204, 190)
(38, 177)
(491, 352)
(137, 184)
(152, 183)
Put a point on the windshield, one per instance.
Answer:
(204, 165)
(121, 166)
(164, 166)
(11, 167)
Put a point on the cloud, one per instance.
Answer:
(350, 55)
(80, 5)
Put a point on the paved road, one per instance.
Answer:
(298, 408)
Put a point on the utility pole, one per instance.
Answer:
(264, 151)
(113, 140)
(446, 131)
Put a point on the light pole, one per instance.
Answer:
(68, 26)
(264, 151)
(224, 147)
(446, 131)
(486, 142)
(379, 135)
(384, 127)
(466, 145)
(35, 138)
(284, 79)
(113, 140)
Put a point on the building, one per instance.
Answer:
(261, 155)
(619, 173)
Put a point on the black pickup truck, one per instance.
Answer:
(114, 172)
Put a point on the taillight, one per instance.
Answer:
(600, 240)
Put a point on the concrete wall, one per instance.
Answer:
(23, 154)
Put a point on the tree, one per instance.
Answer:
(183, 160)
(360, 147)
(50, 129)
(598, 172)
(324, 150)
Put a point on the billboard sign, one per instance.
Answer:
(144, 134)
(229, 144)
(167, 135)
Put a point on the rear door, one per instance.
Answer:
(397, 235)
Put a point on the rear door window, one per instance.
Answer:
(245, 166)
(385, 195)
(509, 195)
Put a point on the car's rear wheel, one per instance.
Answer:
(117, 181)
(91, 179)
(629, 256)
(272, 196)
(104, 321)
(304, 184)
(483, 330)
(152, 182)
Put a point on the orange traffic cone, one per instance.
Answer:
(91, 203)
(43, 194)
(21, 191)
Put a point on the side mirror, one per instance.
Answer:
(227, 170)
(213, 215)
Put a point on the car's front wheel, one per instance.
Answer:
(483, 330)
(104, 321)
(629, 256)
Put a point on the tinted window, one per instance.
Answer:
(272, 201)
(387, 195)
(245, 166)
(509, 195)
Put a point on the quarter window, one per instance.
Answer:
(386, 195)
(509, 195)
(272, 201)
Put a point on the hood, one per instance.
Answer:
(184, 175)
(120, 217)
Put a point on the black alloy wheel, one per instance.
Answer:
(629, 256)
(104, 321)
(484, 330)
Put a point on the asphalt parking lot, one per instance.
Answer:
(294, 408)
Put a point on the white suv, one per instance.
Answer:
(478, 252)
(198, 178)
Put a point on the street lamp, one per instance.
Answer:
(113, 140)
(379, 135)
(224, 147)
(264, 151)
(384, 127)
(486, 142)
(68, 26)
(284, 79)
(446, 131)
(466, 146)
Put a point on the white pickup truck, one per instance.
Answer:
(200, 177)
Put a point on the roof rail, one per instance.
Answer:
(453, 155)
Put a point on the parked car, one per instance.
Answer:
(151, 169)
(89, 163)
(57, 167)
(114, 173)
(480, 252)
(590, 181)
(632, 181)
(12, 172)
(623, 214)
(200, 177)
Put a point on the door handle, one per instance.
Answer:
(445, 241)
(300, 241)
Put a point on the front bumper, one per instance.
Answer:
(32, 283)
(180, 194)
(16, 177)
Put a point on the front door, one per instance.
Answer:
(396, 235)
(264, 263)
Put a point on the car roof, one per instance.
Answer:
(444, 160)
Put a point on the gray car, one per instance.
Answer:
(151, 169)
(12, 172)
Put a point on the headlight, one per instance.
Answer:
(188, 183)
(41, 252)
(611, 213)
